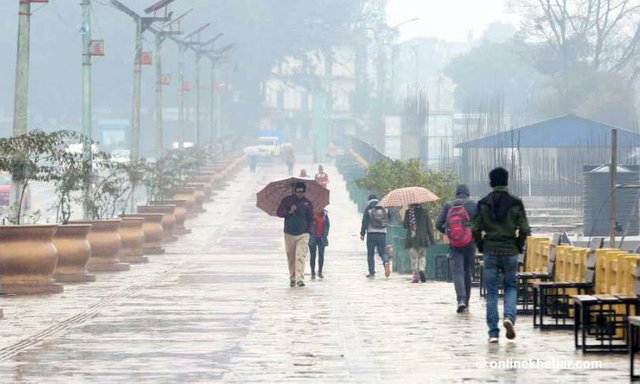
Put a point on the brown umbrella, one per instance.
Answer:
(269, 198)
(403, 197)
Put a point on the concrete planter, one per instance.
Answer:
(132, 237)
(201, 188)
(28, 259)
(105, 245)
(168, 219)
(74, 251)
(180, 213)
(152, 230)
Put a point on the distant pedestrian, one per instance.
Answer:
(297, 211)
(303, 173)
(500, 229)
(321, 177)
(319, 239)
(419, 238)
(455, 222)
(290, 160)
(374, 224)
(331, 152)
(253, 161)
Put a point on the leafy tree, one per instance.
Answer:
(387, 175)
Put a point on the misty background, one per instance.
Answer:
(512, 74)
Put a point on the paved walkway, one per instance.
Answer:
(217, 307)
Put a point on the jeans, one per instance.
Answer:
(462, 263)
(376, 240)
(508, 265)
(316, 242)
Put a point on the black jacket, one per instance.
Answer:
(298, 222)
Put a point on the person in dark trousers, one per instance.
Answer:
(297, 211)
(419, 238)
(318, 239)
(462, 251)
(500, 229)
(374, 225)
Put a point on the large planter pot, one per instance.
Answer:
(152, 230)
(28, 259)
(202, 189)
(180, 213)
(190, 193)
(132, 238)
(105, 245)
(168, 220)
(74, 251)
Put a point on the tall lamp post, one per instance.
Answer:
(142, 24)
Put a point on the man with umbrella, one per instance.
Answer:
(297, 212)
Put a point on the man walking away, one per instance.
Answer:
(502, 219)
(419, 237)
(297, 211)
(321, 177)
(455, 222)
(374, 224)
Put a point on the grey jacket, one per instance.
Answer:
(366, 220)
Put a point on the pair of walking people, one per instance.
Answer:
(303, 231)
(499, 227)
(375, 220)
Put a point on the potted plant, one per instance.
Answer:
(28, 256)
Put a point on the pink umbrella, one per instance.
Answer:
(269, 198)
(403, 197)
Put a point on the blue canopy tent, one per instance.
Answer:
(545, 158)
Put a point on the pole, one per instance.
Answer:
(159, 127)
(87, 120)
(22, 70)
(21, 98)
(181, 94)
(217, 114)
(612, 186)
(198, 56)
(213, 134)
(135, 114)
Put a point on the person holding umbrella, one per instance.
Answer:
(417, 222)
(419, 237)
(297, 212)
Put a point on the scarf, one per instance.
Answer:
(412, 221)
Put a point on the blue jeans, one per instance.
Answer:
(462, 264)
(379, 241)
(508, 265)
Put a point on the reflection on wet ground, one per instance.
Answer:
(217, 307)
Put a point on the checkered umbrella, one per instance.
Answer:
(269, 198)
(403, 197)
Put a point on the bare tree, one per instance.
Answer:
(603, 34)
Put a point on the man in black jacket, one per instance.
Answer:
(376, 231)
(297, 211)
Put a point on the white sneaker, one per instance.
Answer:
(493, 340)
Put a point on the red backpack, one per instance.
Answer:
(458, 226)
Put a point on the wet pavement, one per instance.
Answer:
(218, 307)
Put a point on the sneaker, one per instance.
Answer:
(423, 277)
(414, 280)
(493, 340)
(320, 275)
(508, 325)
(313, 277)
(462, 307)
(300, 283)
(371, 276)
(387, 269)
(292, 283)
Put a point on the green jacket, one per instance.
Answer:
(498, 217)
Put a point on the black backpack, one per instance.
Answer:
(379, 217)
